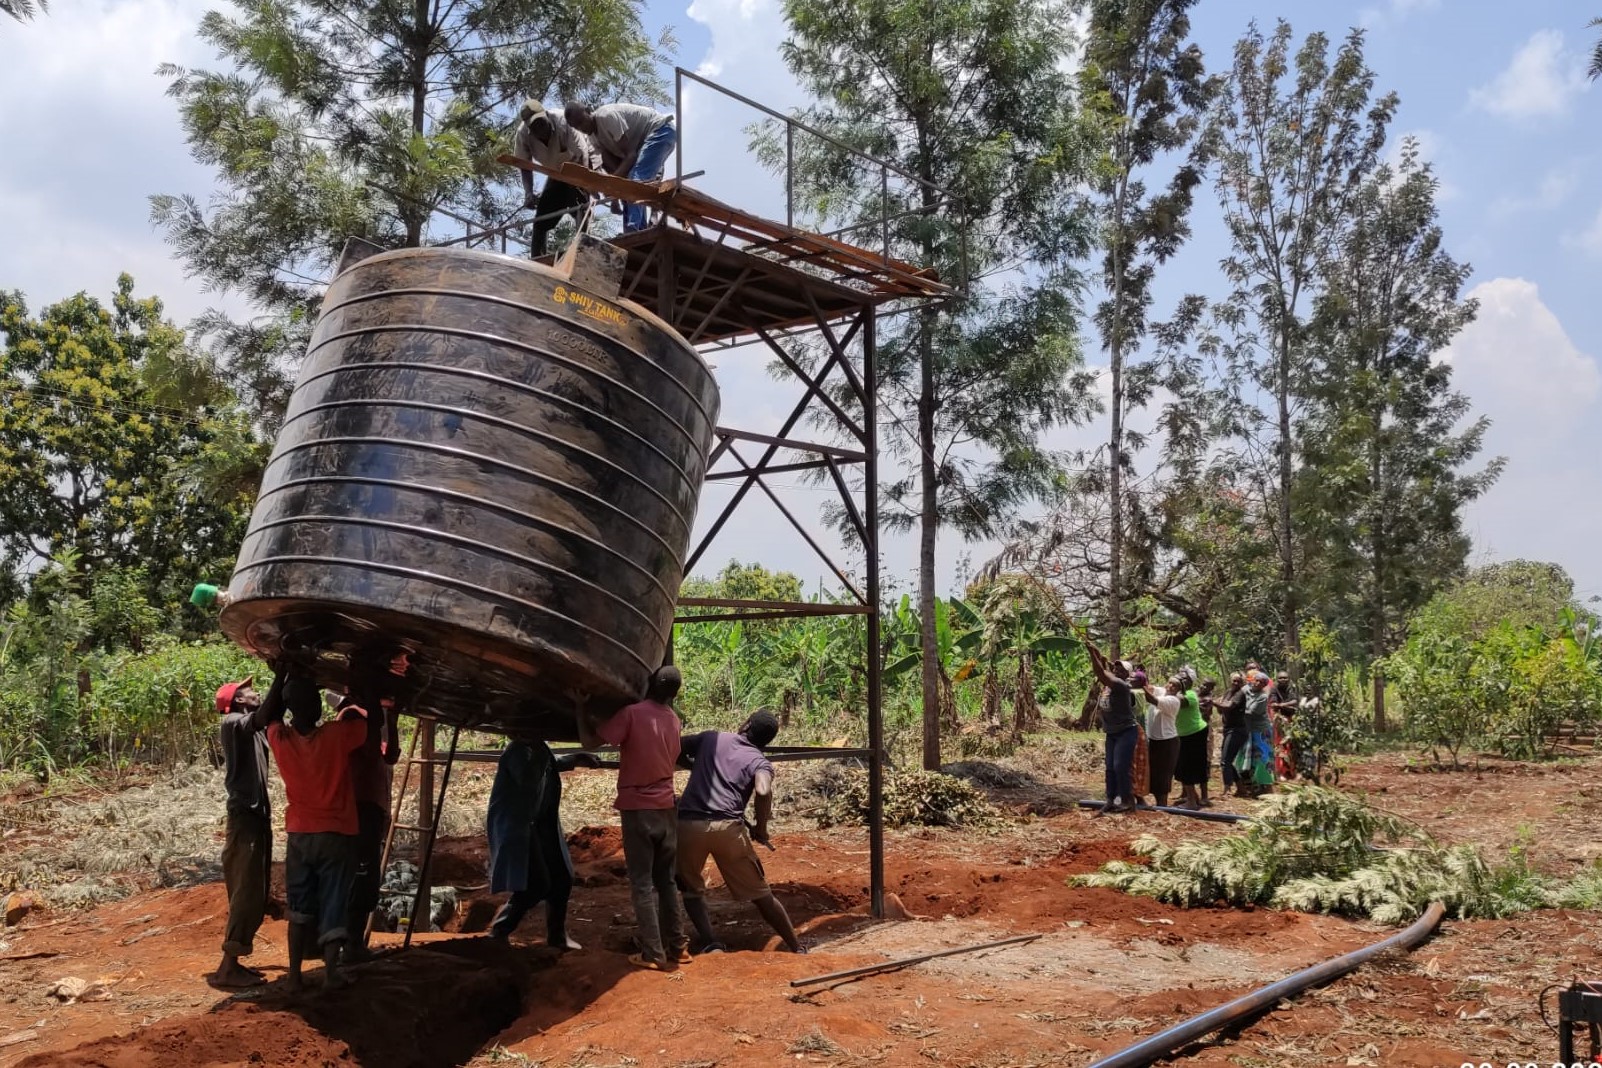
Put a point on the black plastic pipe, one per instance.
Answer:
(1164, 1043)
(1195, 814)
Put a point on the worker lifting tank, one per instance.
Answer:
(493, 464)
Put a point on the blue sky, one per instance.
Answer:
(1493, 91)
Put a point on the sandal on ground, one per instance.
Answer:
(640, 960)
(684, 955)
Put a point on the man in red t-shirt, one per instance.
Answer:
(320, 861)
(646, 734)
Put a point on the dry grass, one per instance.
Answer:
(86, 850)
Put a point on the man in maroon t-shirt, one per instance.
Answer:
(320, 861)
(646, 734)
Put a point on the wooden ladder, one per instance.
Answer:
(428, 816)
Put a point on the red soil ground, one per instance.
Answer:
(1107, 970)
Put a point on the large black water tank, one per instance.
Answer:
(493, 466)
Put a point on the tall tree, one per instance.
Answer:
(972, 97)
(331, 119)
(1384, 445)
(1594, 70)
(23, 10)
(1296, 137)
(1144, 86)
(92, 464)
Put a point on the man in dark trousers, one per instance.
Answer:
(248, 846)
(646, 734)
(528, 850)
(546, 138)
(1122, 733)
(375, 688)
(726, 771)
(320, 862)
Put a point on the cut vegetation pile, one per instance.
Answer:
(921, 798)
(1318, 850)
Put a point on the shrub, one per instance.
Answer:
(158, 705)
(1313, 851)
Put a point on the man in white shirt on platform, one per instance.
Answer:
(634, 141)
(546, 138)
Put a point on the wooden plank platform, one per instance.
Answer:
(716, 257)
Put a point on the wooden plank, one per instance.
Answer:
(696, 205)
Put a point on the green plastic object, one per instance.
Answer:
(204, 595)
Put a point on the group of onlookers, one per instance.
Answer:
(1166, 734)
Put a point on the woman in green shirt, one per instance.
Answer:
(1192, 768)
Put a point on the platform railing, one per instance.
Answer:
(942, 198)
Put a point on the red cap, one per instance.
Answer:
(225, 693)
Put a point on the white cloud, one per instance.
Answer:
(1588, 240)
(1540, 81)
(1394, 11)
(96, 137)
(1555, 187)
(1519, 366)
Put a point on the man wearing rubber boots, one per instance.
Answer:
(726, 771)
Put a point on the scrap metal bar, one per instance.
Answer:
(791, 443)
(1195, 814)
(776, 469)
(893, 965)
(794, 608)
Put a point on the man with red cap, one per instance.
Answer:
(248, 845)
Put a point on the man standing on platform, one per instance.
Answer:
(546, 138)
(248, 847)
(634, 141)
(726, 770)
(646, 734)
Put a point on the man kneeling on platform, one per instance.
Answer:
(726, 770)
(320, 861)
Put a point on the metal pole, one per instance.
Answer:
(678, 124)
(425, 805)
(870, 547)
(789, 174)
(892, 965)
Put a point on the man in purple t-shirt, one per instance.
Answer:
(646, 734)
(725, 771)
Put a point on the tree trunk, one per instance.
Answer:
(1025, 709)
(992, 702)
(1115, 485)
(948, 702)
(414, 214)
(1380, 726)
(1287, 547)
(1377, 559)
(928, 525)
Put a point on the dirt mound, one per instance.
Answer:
(440, 1005)
(589, 844)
